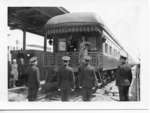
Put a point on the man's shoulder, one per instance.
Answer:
(35, 68)
(60, 68)
(90, 67)
(126, 66)
(63, 68)
(70, 68)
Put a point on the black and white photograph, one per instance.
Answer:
(74, 51)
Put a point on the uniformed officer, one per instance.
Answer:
(65, 79)
(123, 79)
(33, 81)
(87, 79)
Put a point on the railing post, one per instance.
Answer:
(45, 42)
(24, 39)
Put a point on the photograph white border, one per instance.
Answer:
(4, 104)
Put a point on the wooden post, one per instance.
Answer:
(45, 42)
(24, 39)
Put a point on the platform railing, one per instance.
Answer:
(75, 58)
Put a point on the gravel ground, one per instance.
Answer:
(104, 94)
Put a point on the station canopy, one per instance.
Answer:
(32, 19)
(73, 22)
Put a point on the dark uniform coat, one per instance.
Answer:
(65, 81)
(87, 80)
(33, 82)
(123, 81)
(124, 75)
(87, 76)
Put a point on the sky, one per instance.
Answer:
(122, 17)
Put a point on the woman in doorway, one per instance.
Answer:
(84, 46)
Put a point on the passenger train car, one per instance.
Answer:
(66, 32)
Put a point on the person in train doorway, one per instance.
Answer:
(33, 81)
(65, 79)
(14, 72)
(123, 79)
(87, 79)
(84, 49)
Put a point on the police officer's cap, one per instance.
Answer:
(66, 58)
(33, 59)
(87, 58)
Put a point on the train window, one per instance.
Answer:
(118, 54)
(62, 44)
(92, 41)
(103, 47)
(72, 44)
(106, 48)
(115, 52)
(110, 50)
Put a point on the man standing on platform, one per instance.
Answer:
(65, 79)
(123, 79)
(87, 79)
(33, 82)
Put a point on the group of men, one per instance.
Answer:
(87, 79)
(66, 80)
(65, 77)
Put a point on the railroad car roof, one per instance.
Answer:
(78, 17)
(77, 22)
(73, 22)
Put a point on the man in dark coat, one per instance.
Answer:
(22, 75)
(65, 79)
(33, 82)
(87, 79)
(123, 79)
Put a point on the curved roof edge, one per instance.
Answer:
(75, 18)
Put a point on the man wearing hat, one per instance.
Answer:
(33, 82)
(123, 79)
(87, 79)
(65, 79)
